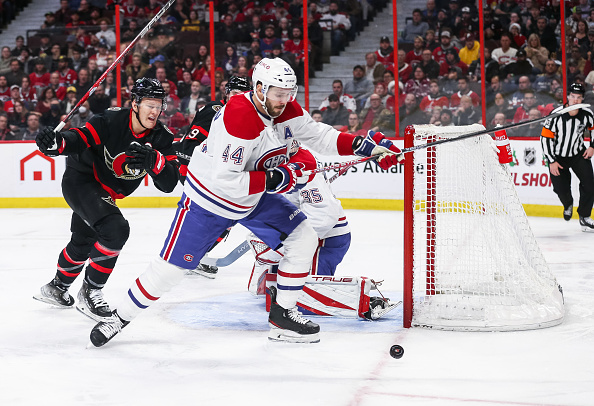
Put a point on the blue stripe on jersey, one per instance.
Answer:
(136, 302)
(341, 224)
(213, 201)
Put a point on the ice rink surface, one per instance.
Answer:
(205, 342)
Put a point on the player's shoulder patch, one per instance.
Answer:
(241, 119)
(292, 110)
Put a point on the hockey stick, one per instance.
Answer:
(229, 258)
(111, 67)
(339, 174)
(505, 127)
(348, 164)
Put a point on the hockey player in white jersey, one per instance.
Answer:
(237, 177)
(323, 294)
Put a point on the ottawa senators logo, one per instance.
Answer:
(119, 167)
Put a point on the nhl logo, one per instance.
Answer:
(530, 156)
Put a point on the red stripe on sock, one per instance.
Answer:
(144, 292)
(69, 274)
(105, 250)
(100, 268)
(67, 257)
(292, 275)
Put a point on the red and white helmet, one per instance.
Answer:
(274, 73)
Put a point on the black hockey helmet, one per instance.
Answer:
(577, 88)
(237, 83)
(148, 88)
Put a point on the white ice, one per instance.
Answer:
(205, 342)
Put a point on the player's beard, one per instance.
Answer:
(274, 111)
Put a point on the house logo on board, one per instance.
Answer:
(37, 167)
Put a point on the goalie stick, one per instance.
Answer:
(131, 45)
(348, 164)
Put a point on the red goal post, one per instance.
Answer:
(471, 261)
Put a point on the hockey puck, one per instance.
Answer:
(396, 351)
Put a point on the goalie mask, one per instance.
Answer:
(271, 74)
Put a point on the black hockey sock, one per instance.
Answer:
(68, 268)
(101, 263)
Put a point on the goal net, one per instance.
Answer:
(471, 259)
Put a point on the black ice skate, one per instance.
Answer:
(55, 294)
(208, 271)
(289, 325)
(106, 330)
(91, 303)
(587, 224)
(568, 212)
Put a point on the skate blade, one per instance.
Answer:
(51, 302)
(92, 316)
(287, 336)
(378, 313)
(198, 272)
(587, 229)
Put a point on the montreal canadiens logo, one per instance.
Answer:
(272, 159)
(188, 258)
(119, 167)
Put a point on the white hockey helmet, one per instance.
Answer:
(274, 72)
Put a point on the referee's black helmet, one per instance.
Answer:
(577, 88)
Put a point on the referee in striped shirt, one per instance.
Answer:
(563, 144)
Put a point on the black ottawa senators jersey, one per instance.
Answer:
(99, 148)
(197, 133)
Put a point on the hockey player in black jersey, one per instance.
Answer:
(107, 160)
(198, 132)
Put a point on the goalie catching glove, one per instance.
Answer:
(47, 140)
(376, 144)
(144, 157)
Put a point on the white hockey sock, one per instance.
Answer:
(300, 246)
(159, 277)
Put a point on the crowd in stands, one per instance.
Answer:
(40, 84)
(437, 78)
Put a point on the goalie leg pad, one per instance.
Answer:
(159, 278)
(344, 296)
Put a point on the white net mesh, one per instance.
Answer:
(476, 263)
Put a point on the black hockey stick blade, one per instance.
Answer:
(505, 127)
(229, 258)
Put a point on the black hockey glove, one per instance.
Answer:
(145, 157)
(49, 142)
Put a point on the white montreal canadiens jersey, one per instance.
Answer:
(225, 176)
(324, 212)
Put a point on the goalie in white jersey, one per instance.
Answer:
(235, 178)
